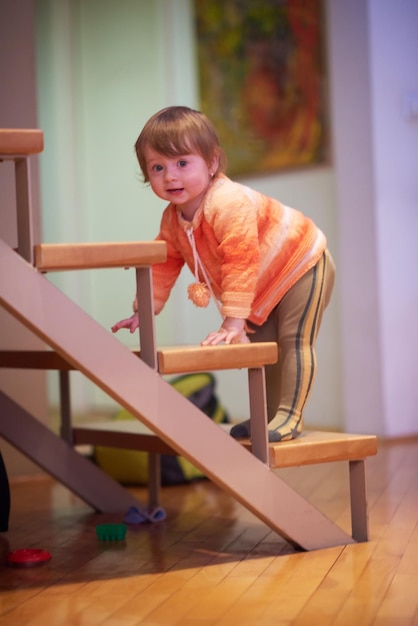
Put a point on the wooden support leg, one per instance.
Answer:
(65, 407)
(258, 413)
(56, 457)
(146, 316)
(24, 209)
(147, 342)
(358, 498)
(154, 479)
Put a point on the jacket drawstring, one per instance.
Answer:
(200, 292)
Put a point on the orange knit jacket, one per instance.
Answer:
(253, 249)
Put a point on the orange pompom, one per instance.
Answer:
(199, 294)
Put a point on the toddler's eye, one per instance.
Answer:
(157, 168)
(182, 163)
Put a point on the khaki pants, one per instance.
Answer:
(294, 323)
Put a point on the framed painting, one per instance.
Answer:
(262, 81)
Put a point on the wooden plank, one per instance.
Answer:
(127, 434)
(78, 256)
(20, 141)
(201, 358)
(33, 360)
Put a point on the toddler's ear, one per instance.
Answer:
(214, 164)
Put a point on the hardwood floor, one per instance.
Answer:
(212, 562)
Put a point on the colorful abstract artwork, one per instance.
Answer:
(262, 81)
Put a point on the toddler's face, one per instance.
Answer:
(182, 180)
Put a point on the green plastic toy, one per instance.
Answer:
(111, 532)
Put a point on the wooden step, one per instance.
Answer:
(181, 359)
(314, 446)
(20, 142)
(56, 257)
(171, 360)
(309, 448)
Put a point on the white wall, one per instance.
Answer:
(357, 255)
(373, 55)
(394, 81)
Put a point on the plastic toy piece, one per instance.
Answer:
(28, 557)
(140, 516)
(111, 532)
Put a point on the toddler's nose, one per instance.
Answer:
(170, 174)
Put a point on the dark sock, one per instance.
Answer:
(241, 430)
(280, 432)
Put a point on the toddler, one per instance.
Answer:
(265, 264)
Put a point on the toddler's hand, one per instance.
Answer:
(131, 323)
(231, 331)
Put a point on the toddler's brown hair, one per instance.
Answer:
(177, 131)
